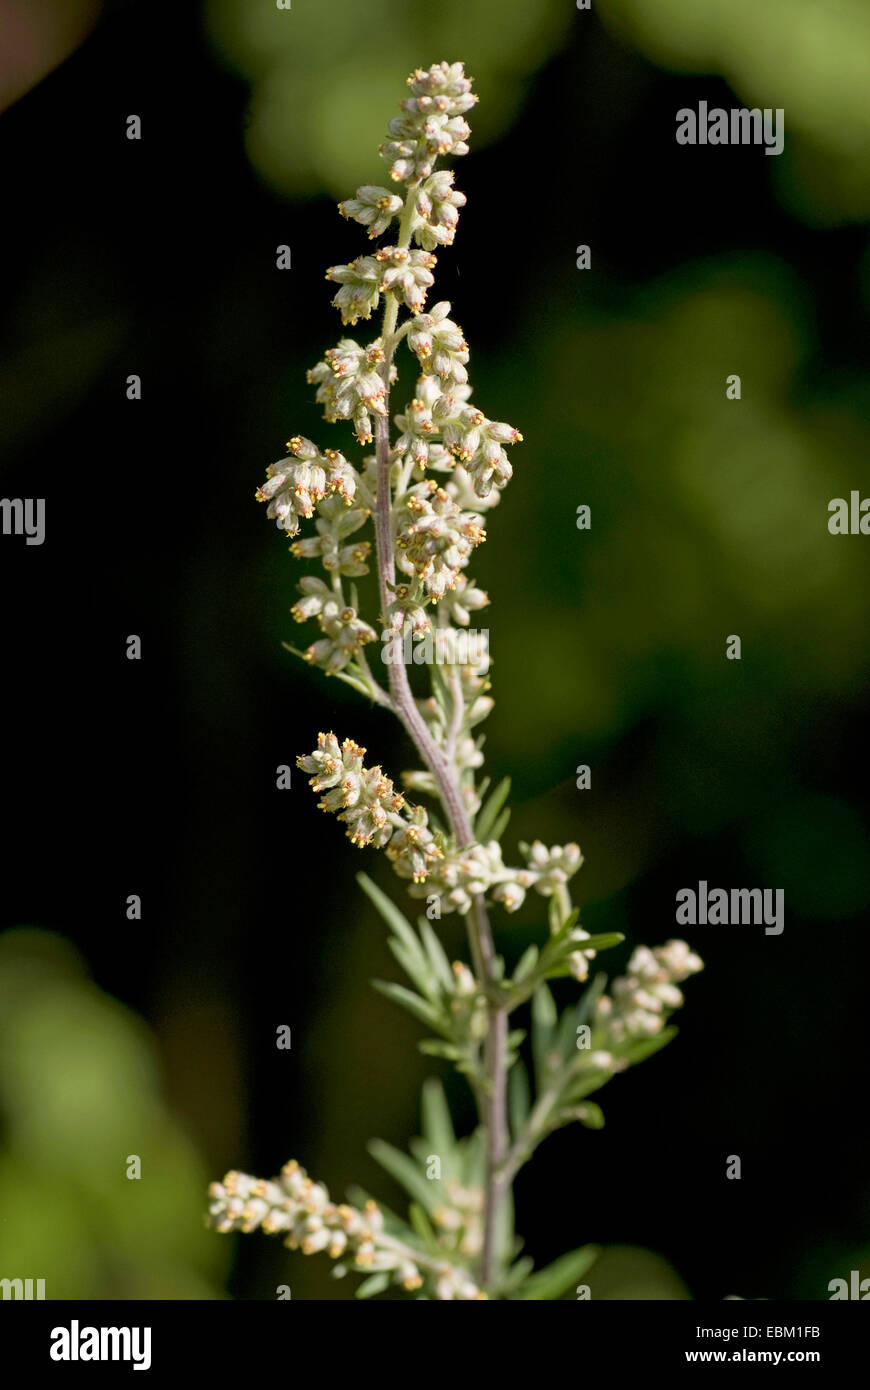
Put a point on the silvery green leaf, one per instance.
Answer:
(376, 1283)
(489, 811)
(526, 963)
(555, 1280)
(416, 967)
(433, 1047)
(406, 1172)
(519, 1098)
(407, 999)
(639, 1051)
(591, 995)
(584, 1086)
(559, 925)
(543, 1026)
(435, 952)
(420, 1222)
(390, 913)
(474, 1159)
(590, 1115)
(437, 1123)
(516, 1275)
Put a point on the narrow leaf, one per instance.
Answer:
(543, 1026)
(417, 968)
(433, 1047)
(639, 1051)
(561, 1275)
(560, 925)
(390, 913)
(420, 1221)
(488, 813)
(501, 824)
(519, 1098)
(437, 1124)
(376, 1283)
(516, 1275)
(437, 957)
(405, 1171)
(407, 999)
(590, 1115)
(526, 964)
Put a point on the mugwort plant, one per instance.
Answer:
(426, 492)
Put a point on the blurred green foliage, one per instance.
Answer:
(809, 57)
(323, 87)
(79, 1093)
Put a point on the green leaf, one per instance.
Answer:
(559, 925)
(407, 999)
(543, 1026)
(376, 1283)
(516, 1275)
(584, 1086)
(420, 1221)
(437, 1124)
(488, 813)
(406, 1172)
(437, 957)
(519, 1098)
(526, 964)
(501, 824)
(474, 1159)
(605, 941)
(433, 1047)
(591, 996)
(592, 1116)
(417, 968)
(390, 913)
(639, 1051)
(561, 1275)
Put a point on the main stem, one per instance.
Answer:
(494, 1101)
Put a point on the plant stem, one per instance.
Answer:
(494, 1114)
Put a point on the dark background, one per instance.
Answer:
(157, 777)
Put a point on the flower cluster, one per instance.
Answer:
(344, 632)
(294, 1206)
(434, 539)
(349, 386)
(431, 123)
(447, 418)
(393, 269)
(439, 345)
(360, 292)
(367, 802)
(641, 1000)
(461, 874)
(335, 522)
(372, 207)
(436, 210)
(295, 484)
